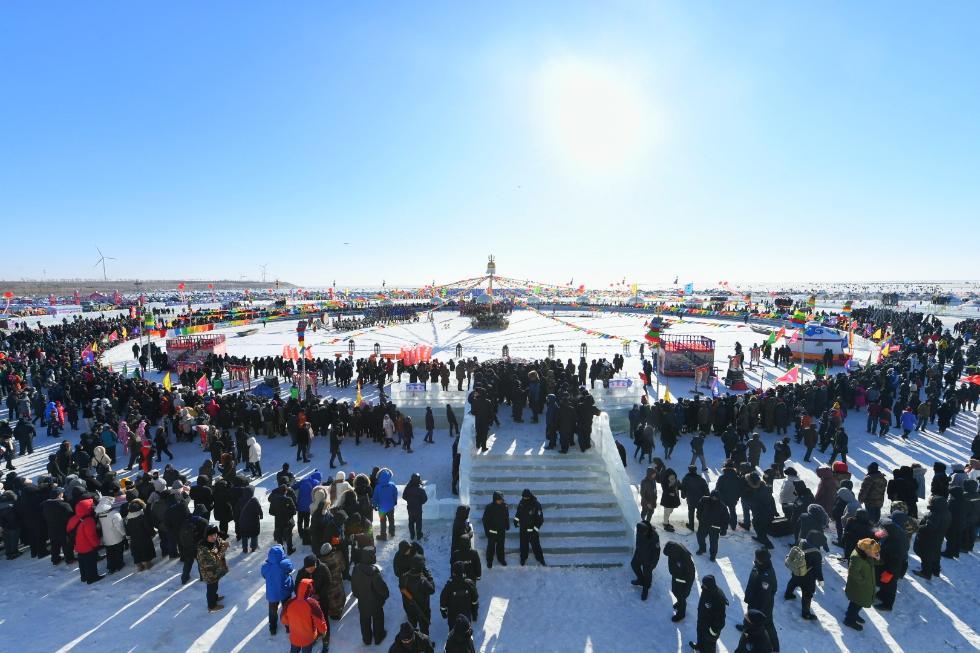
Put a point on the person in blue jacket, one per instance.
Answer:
(384, 499)
(304, 499)
(277, 570)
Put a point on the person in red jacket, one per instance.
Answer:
(82, 528)
(304, 620)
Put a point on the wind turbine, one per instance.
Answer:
(102, 259)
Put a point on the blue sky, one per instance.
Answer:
(596, 140)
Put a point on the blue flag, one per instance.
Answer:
(689, 289)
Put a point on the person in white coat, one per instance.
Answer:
(100, 458)
(113, 533)
(254, 457)
(338, 488)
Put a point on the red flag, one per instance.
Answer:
(202, 385)
(792, 376)
(975, 379)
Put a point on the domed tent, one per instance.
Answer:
(814, 339)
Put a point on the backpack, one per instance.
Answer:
(796, 561)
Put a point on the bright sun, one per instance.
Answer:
(594, 116)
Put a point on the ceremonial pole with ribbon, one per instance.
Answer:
(301, 339)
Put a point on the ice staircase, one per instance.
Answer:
(587, 517)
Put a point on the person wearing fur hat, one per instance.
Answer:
(528, 519)
(711, 616)
(496, 523)
(113, 534)
(860, 588)
(680, 565)
(410, 640)
(459, 596)
(212, 565)
(756, 634)
(317, 571)
(760, 594)
(461, 636)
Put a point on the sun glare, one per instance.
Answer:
(594, 117)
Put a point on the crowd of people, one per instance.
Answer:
(83, 509)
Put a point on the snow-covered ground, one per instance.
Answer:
(522, 609)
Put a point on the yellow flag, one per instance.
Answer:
(885, 350)
(166, 381)
(95, 346)
(669, 398)
(125, 333)
(357, 399)
(877, 335)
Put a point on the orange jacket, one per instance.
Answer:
(303, 617)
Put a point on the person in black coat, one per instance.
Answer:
(693, 489)
(461, 526)
(249, 516)
(461, 636)
(763, 508)
(415, 496)
(202, 494)
(416, 586)
(473, 568)
(56, 513)
(760, 594)
(140, 532)
(729, 487)
(959, 511)
(646, 555)
(711, 616)
(566, 424)
(496, 523)
(894, 560)
(189, 536)
(712, 523)
(528, 519)
(221, 495)
(680, 564)
(929, 538)
(756, 634)
(808, 581)
(282, 506)
(459, 596)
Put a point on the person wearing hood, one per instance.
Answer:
(203, 495)
(57, 512)
(249, 519)
(970, 493)
(958, 513)
(845, 507)
(369, 588)
(894, 558)
(461, 526)
(827, 488)
(81, 528)
(711, 616)
(872, 493)
(223, 498)
(860, 587)
(712, 523)
(472, 567)
(646, 555)
(757, 632)
(459, 596)
(304, 501)
(383, 499)
(415, 496)
(807, 577)
(101, 461)
(212, 565)
(857, 527)
(760, 594)
(812, 525)
(282, 506)
(940, 481)
(277, 570)
(929, 539)
(113, 534)
(903, 487)
(335, 597)
(416, 587)
(303, 618)
(411, 640)
(460, 638)
(140, 530)
(528, 519)
(496, 523)
(680, 565)
(254, 464)
(338, 488)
